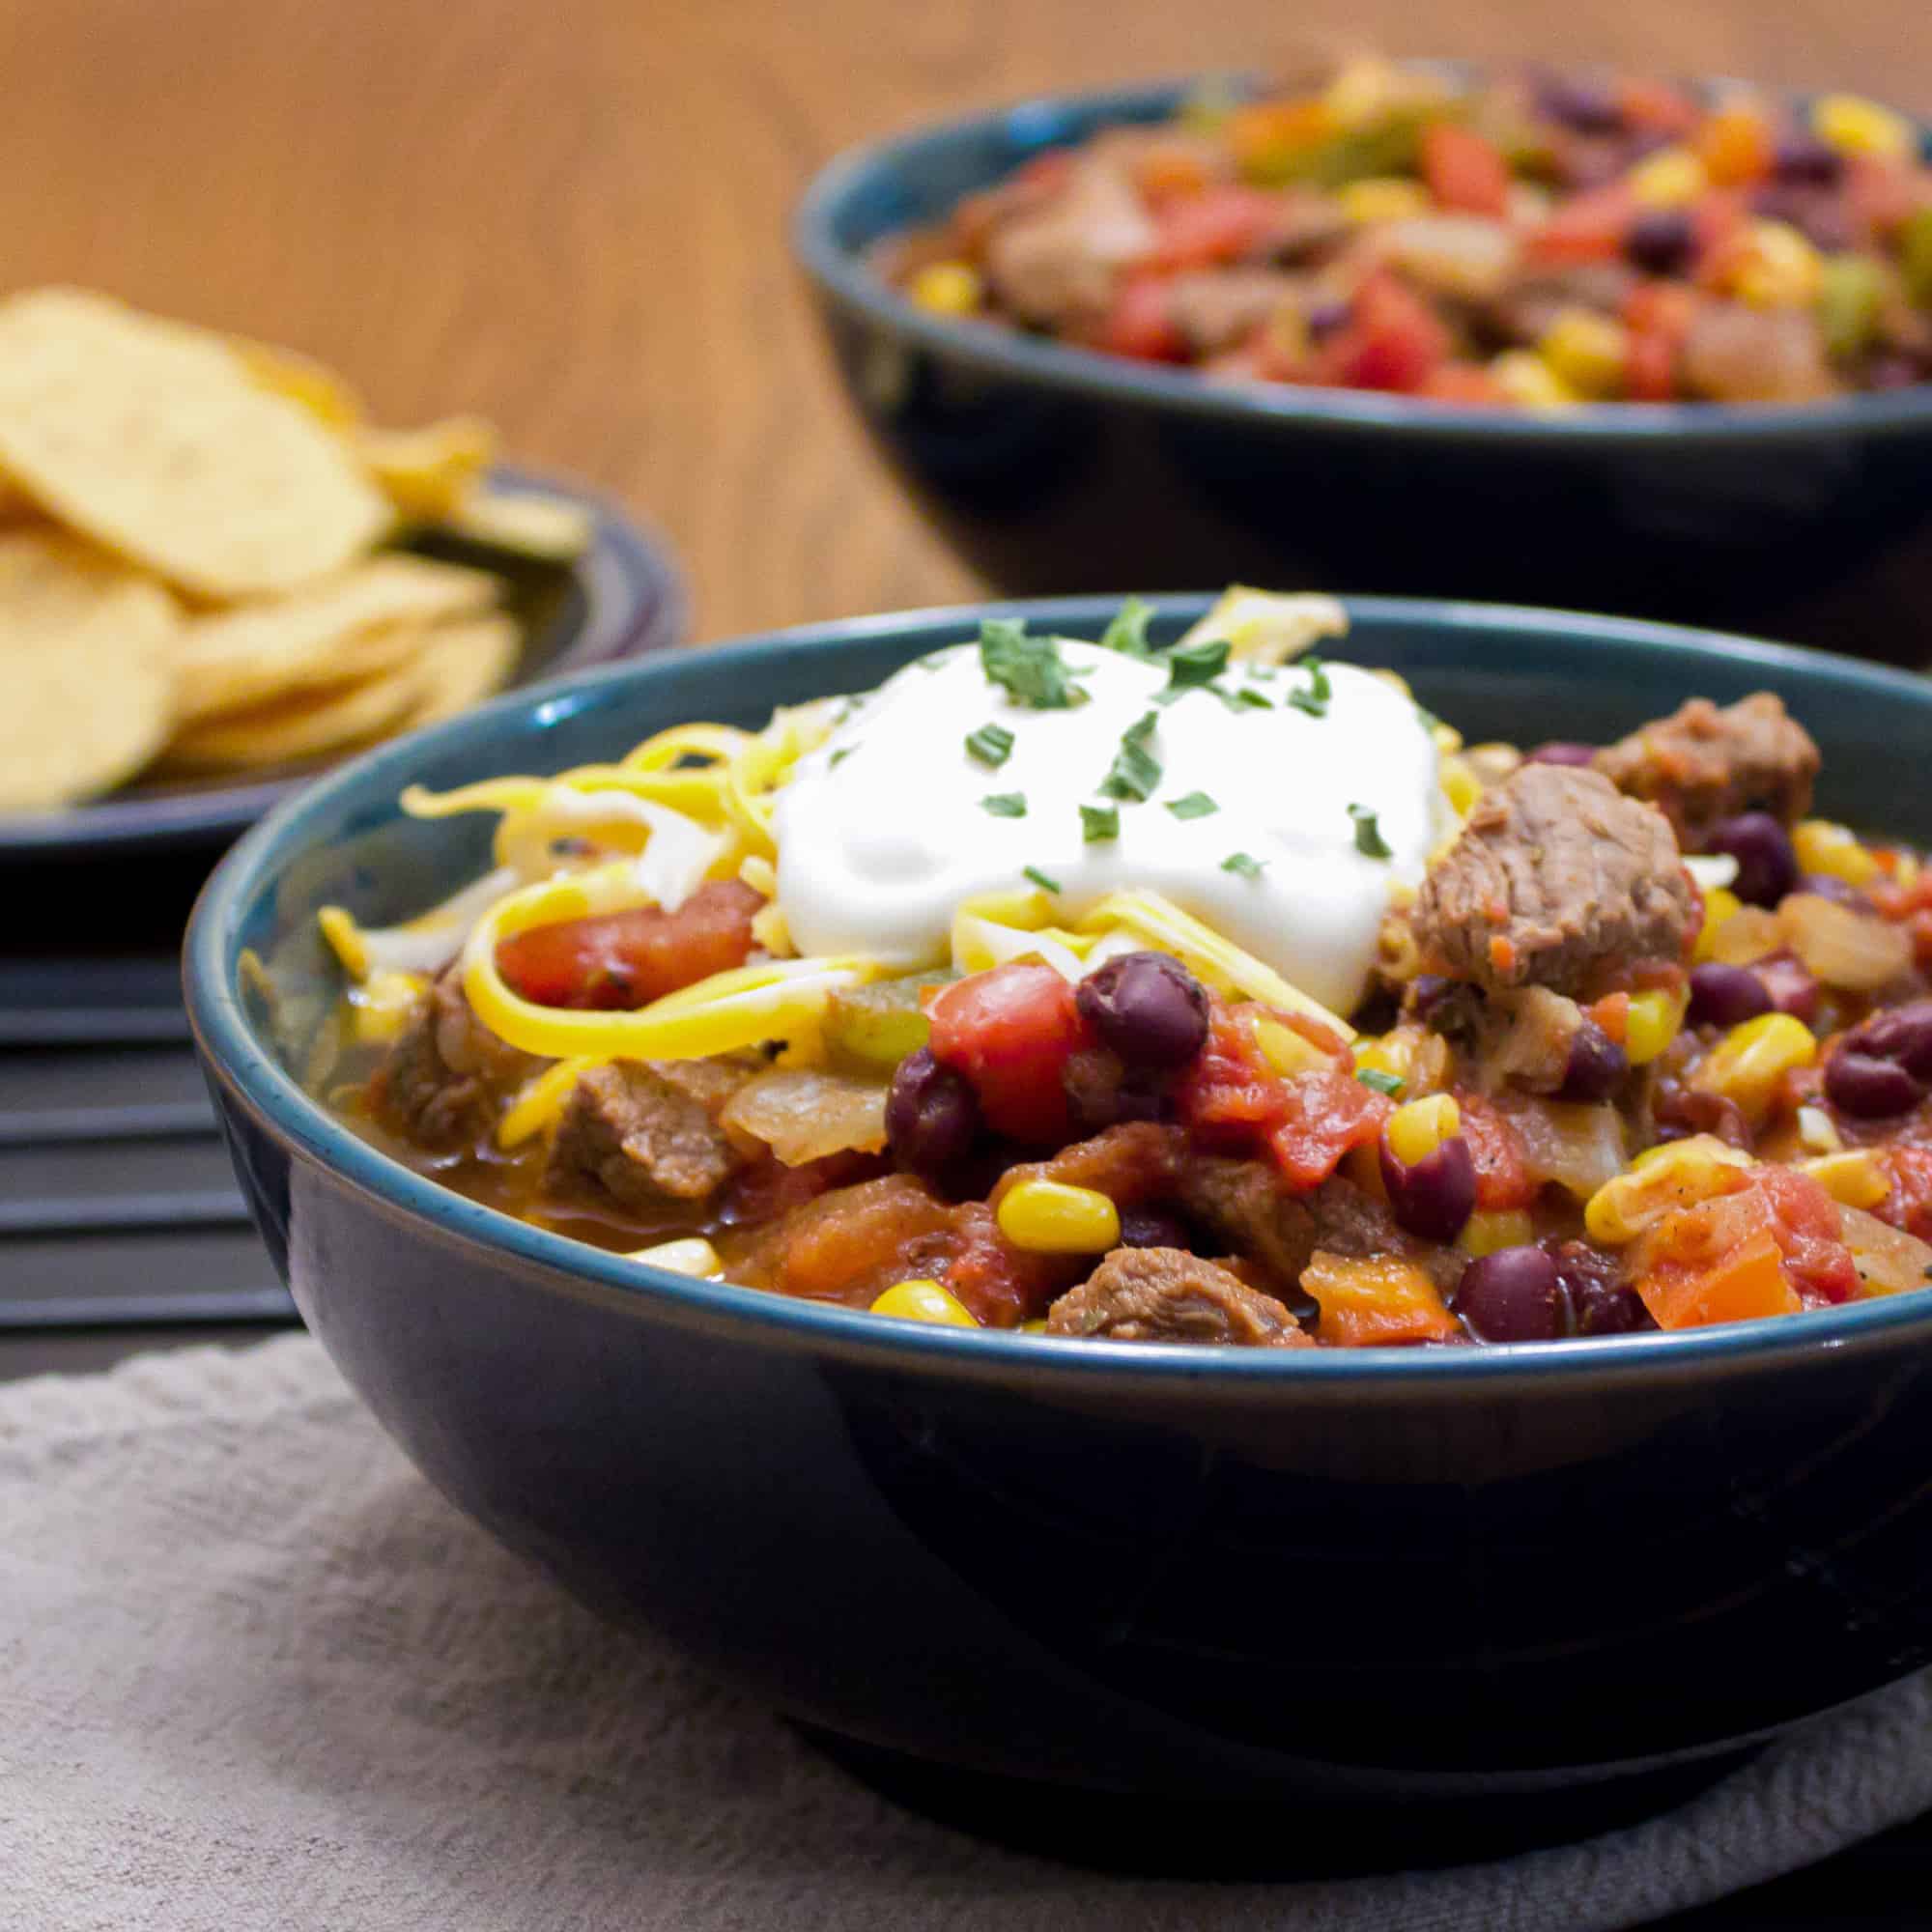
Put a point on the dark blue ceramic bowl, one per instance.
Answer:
(1055, 469)
(1177, 1573)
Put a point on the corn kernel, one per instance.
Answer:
(1418, 1127)
(1530, 382)
(1858, 127)
(947, 288)
(1048, 1217)
(1749, 1065)
(1719, 904)
(1664, 1178)
(380, 1007)
(1460, 786)
(1853, 1180)
(1287, 1051)
(1816, 1131)
(1834, 850)
(1384, 198)
(1363, 91)
(1652, 1023)
(1780, 269)
(688, 1256)
(1387, 1053)
(924, 1301)
(1670, 178)
(1586, 352)
(1490, 1229)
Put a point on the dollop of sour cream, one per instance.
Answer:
(1283, 809)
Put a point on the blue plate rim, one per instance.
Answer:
(267, 1093)
(636, 603)
(1050, 365)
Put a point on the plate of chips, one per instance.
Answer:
(217, 577)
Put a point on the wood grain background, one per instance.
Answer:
(570, 215)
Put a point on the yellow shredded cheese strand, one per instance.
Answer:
(535, 1109)
(345, 939)
(1221, 963)
(707, 740)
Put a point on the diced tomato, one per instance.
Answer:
(1656, 104)
(1658, 315)
(1231, 1093)
(1772, 1247)
(1002, 1284)
(1881, 194)
(1326, 1114)
(1718, 221)
(1221, 224)
(1659, 308)
(1590, 227)
(1466, 383)
(1502, 1178)
(622, 961)
(1392, 341)
(1139, 323)
(1909, 1204)
(1464, 170)
(1011, 1031)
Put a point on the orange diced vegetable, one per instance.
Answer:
(1735, 145)
(1743, 1285)
(1375, 1301)
(1465, 172)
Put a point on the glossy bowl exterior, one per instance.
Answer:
(1220, 1574)
(1058, 469)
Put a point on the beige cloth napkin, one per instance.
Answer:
(256, 1674)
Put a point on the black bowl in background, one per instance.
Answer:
(1511, 1587)
(1055, 470)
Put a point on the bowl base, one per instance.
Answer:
(1300, 1836)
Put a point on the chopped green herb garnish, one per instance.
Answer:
(838, 757)
(1031, 668)
(1039, 878)
(1196, 664)
(1128, 633)
(1314, 698)
(1099, 822)
(1196, 804)
(1005, 803)
(992, 744)
(1240, 862)
(1260, 700)
(1135, 771)
(1369, 840)
(1383, 1083)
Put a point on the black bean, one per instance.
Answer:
(1725, 996)
(1662, 240)
(1149, 1007)
(1867, 1088)
(1596, 1066)
(1436, 1196)
(1513, 1296)
(1581, 105)
(1903, 1034)
(1804, 158)
(932, 1116)
(1767, 866)
(1154, 1228)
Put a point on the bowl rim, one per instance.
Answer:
(1049, 365)
(233, 1053)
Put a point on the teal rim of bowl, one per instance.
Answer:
(228, 1041)
(1054, 365)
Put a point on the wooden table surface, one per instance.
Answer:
(569, 214)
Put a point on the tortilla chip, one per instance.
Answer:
(304, 726)
(304, 380)
(164, 449)
(361, 620)
(525, 523)
(460, 665)
(86, 684)
(427, 472)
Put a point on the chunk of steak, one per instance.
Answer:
(1132, 1164)
(1055, 263)
(1245, 1205)
(634, 1132)
(1556, 880)
(1166, 1294)
(447, 1078)
(1705, 762)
